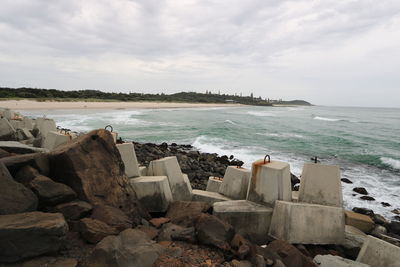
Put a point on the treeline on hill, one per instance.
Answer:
(53, 94)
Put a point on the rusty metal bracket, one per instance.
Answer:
(265, 158)
(109, 126)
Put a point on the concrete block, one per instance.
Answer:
(114, 136)
(235, 183)
(304, 223)
(336, 261)
(45, 126)
(153, 192)
(354, 238)
(359, 221)
(209, 197)
(295, 196)
(8, 114)
(169, 166)
(142, 171)
(320, 184)
(378, 253)
(54, 139)
(270, 182)
(6, 129)
(248, 218)
(128, 155)
(22, 123)
(23, 134)
(187, 182)
(213, 184)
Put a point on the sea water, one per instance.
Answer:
(364, 142)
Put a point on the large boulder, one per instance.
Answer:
(212, 231)
(74, 210)
(50, 192)
(30, 234)
(112, 216)
(37, 160)
(93, 231)
(290, 255)
(185, 213)
(14, 197)
(92, 166)
(131, 248)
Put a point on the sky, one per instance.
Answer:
(337, 53)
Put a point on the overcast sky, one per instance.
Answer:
(326, 52)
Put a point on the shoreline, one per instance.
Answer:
(55, 105)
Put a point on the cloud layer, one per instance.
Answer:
(327, 52)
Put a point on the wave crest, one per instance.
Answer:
(394, 163)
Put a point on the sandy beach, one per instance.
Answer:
(53, 105)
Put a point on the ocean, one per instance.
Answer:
(364, 142)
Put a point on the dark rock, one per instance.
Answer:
(74, 210)
(212, 231)
(131, 248)
(367, 198)
(393, 227)
(93, 231)
(4, 153)
(290, 255)
(385, 204)
(14, 197)
(294, 180)
(296, 187)
(19, 148)
(158, 222)
(186, 234)
(379, 219)
(30, 234)
(92, 166)
(360, 190)
(184, 213)
(347, 181)
(396, 211)
(112, 216)
(50, 192)
(26, 174)
(364, 211)
(39, 161)
(151, 231)
(167, 230)
(49, 262)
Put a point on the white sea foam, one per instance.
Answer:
(325, 119)
(282, 135)
(394, 163)
(261, 113)
(231, 122)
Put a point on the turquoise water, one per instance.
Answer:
(364, 142)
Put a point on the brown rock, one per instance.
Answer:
(74, 210)
(26, 174)
(50, 192)
(167, 230)
(4, 153)
(39, 161)
(152, 232)
(50, 261)
(290, 255)
(213, 231)
(360, 190)
(112, 216)
(31, 234)
(158, 222)
(92, 166)
(359, 221)
(14, 197)
(130, 248)
(184, 213)
(93, 231)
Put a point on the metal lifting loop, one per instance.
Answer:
(109, 126)
(265, 158)
(315, 159)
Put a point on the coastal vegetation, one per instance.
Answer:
(96, 95)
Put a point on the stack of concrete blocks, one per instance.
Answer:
(213, 184)
(153, 192)
(178, 182)
(318, 217)
(128, 156)
(266, 183)
(378, 253)
(45, 126)
(54, 139)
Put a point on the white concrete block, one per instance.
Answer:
(22, 123)
(213, 184)
(6, 128)
(378, 253)
(336, 261)
(295, 196)
(142, 171)
(270, 182)
(209, 197)
(114, 136)
(153, 192)
(54, 139)
(235, 183)
(169, 166)
(128, 155)
(8, 114)
(23, 134)
(45, 126)
(187, 182)
(248, 218)
(320, 184)
(304, 223)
